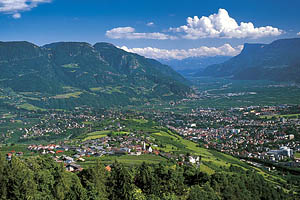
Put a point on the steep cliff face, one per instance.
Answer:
(261, 61)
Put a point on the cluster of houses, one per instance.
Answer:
(57, 123)
(281, 153)
(248, 132)
(117, 145)
(126, 144)
(54, 122)
(13, 153)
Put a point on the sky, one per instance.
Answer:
(161, 29)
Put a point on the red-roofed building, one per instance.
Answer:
(108, 168)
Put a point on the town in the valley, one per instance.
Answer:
(257, 135)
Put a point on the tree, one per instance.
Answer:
(137, 194)
(146, 179)
(202, 193)
(18, 181)
(3, 165)
(193, 176)
(120, 183)
(93, 180)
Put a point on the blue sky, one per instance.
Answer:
(153, 28)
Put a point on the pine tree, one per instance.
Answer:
(94, 180)
(19, 181)
(121, 183)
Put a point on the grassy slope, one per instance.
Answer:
(280, 116)
(211, 160)
(127, 160)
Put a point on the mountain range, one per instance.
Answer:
(68, 74)
(191, 65)
(278, 61)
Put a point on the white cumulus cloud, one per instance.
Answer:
(156, 53)
(129, 33)
(298, 34)
(221, 25)
(14, 7)
(17, 16)
(150, 24)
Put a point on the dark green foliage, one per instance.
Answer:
(42, 178)
(160, 179)
(18, 181)
(10, 51)
(94, 180)
(120, 183)
(248, 185)
(202, 193)
(193, 176)
(145, 179)
(39, 178)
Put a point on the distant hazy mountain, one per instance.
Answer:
(75, 73)
(278, 61)
(192, 65)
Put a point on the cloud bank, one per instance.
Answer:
(179, 54)
(129, 33)
(221, 25)
(14, 7)
(218, 25)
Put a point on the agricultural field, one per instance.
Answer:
(8, 116)
(15, 149)
(68, 95)
(226, 93)
(108, 89)
(127, 160)
(100, 134)
(29, 107)
(280, 116)
(71, 66)
(212, 160)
